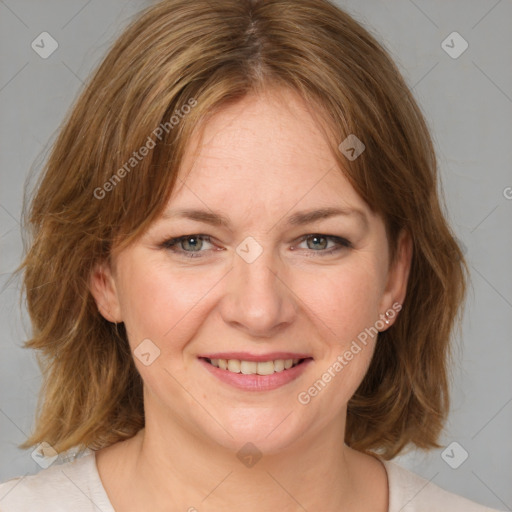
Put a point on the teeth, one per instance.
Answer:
(249, 367)
(234, 365)
(265, 368)
(279, 365)
(253, 367)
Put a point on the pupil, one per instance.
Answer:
(195, 240)
(316, 238)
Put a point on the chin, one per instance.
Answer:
(266, 430)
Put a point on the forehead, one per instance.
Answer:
(265, 153)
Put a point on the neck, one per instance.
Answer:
(312, 474)
(168, 466)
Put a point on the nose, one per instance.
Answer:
(258, 298)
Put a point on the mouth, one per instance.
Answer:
(245, 367)
(255, 373)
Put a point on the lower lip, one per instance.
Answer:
(257, 382)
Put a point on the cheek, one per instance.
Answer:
(159, 302)
(346, 313)
(354, 298)
(344, 300)
(143, 299)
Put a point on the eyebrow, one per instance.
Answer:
(297, 219)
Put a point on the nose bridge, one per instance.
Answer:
(257, 298)
(258, 277)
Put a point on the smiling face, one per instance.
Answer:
(254, 288)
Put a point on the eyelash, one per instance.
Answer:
(171, 243)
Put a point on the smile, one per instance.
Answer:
(254, 367)
(255, 375)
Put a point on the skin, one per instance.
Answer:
(291, 298)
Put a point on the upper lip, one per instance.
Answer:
(247, 356)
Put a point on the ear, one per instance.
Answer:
(103, 288)
(398, 276)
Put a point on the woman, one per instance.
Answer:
(241, 281)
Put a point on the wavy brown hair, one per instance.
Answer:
(215, 53)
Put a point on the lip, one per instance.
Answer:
(247, 356)
(256, 382)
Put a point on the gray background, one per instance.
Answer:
(468, 104)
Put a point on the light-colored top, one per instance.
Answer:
(76, 486)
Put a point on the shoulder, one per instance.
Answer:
(62, 487)
(409, 492)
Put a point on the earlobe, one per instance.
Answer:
(103, 289)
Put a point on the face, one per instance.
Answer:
(265, 287)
